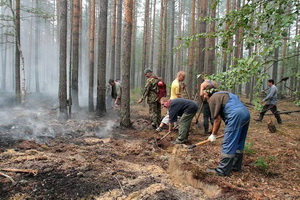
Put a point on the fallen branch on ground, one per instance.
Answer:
(285, 112)
(30, 171)
(10, 178)
(120, 186)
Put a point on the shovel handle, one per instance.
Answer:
(203, 142)
(163, 137)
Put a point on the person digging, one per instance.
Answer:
(184, 108)
(227, 107)
(205, 107)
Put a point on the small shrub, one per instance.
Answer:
(261, 164)
(264, 163)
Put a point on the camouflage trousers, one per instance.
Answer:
(155, 113)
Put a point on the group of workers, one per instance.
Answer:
(216, 106)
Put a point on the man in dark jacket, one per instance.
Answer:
(184, 108)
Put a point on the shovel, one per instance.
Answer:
(283, 79)
(197, 119)
(163, 137)
(203, 142)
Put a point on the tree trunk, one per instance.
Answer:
(125, 103)
(275, 65)
(225, 55)
(101, 78)
(211, 42)
(3, 41)
(133, 47)
(239, 40)
(153, 35)
(248, 84)
(160, 50)
(75, 50)
(4, 68)
(172, 24)
(91, 56)
(179, 36)
(191, 50)
(37, 49)
(17, 54)
(63, 113)
(145, 41)
(164, 50)
(70, 61)
(202, 40)
(113, 41)
(118, 41)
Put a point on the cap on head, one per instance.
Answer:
(148, 71)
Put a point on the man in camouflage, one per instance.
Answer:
(150, 91)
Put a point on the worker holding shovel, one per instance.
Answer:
(184, 108)
(206, 111)
(227, 106)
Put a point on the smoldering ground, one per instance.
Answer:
(37, 120)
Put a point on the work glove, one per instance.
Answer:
(212, 138)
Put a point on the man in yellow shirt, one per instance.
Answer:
(177, 88)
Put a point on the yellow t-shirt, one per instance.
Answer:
(175, 89)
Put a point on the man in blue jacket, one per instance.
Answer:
(271, 102)
(227, 107)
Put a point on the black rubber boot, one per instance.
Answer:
(206, 131)
(237, 162)
(225, 166)
(279, 121)
(261, 116)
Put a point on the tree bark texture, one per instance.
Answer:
(63, 113)
(17, 55)
(211, 42)
(101, 79)
(153, 35)
(172, 33)
(133, 47)
(179, 28)
(202, 40)
(75, 52)
(91, 55)
(125, 102)
(145, 39)
(160, 48)
(113, 41)
(164, 49)
(37, 51)
(118, 39)
(191, 50)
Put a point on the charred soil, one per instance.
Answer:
(94, 158)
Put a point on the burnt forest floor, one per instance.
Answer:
(93, 158)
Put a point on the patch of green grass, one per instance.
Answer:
(249, 149)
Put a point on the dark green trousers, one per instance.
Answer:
(184, 126)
